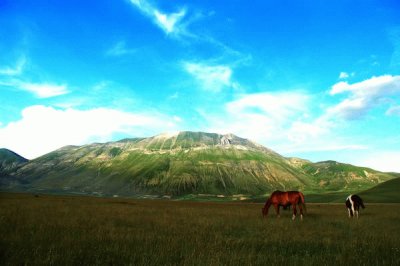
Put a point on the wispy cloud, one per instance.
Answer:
(173, 96)
(276, 105)
(16, 78)
(279, 120)
(40, 90)
(387, 161)
(50, 128)
(15, 70)
(343, 75)
(169, 23)
(289, 122)
(45, 90)
(394, 110)
(364, 95)
(372, 87)
(211, 77)
(120, 49)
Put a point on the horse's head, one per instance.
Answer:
(264, 211)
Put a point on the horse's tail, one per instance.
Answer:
(303, 202)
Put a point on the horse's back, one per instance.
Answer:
(357, 199)
(287, 196)
(278, 197)
(295, 194)
(277, 192)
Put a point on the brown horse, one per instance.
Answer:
(285, 199)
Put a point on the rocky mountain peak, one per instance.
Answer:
(226, 140)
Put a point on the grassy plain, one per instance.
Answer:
(68, 230)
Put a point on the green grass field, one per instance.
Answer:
(60, 230)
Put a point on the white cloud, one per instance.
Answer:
(177, 118)
(287, 122)
(43, 129)
(257, 127)
(212, 78)
(40, 90)
(44, 90)
(16, 70)
(343, 75)
(173, 96)
(350, 108)
(374, 86)
(291, 123)
(120, 49)
(386, 161)
(278, 106)
(281, 121)
(169, 23)
(364, 95)
(12, 78)
(328, 146)
(301, 132)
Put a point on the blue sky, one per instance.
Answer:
(312, 79)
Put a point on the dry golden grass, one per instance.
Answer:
(64, 230)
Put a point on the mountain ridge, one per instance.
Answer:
(183, 163)
(9, 160)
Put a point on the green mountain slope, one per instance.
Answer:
(9, 158)
(184, 163)
(332, 176)
(388, 192)
(9, 163)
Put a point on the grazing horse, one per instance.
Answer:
(353, 203)
(285, 199)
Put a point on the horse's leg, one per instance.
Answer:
(276, 206)
(301, 211)
(294, 211)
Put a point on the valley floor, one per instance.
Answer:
(71, 230)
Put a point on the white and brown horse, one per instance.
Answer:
(353, 204)
(285, 199)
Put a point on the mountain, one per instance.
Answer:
(9, 162)
(335, 176)
(9, 159)
(181, 164)
(385, 192)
